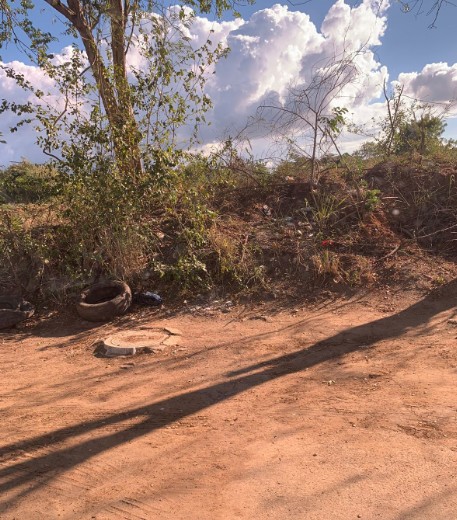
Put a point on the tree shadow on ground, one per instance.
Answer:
(35, 472)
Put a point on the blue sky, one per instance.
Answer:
(401, 47)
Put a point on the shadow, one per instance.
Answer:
(108, 432)
(66, 322)
(429, 507)
(367, 334)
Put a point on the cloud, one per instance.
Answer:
(355, 27)
(435, 83)
(277, 48)
(21, 144)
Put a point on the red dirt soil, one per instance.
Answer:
(341, 410)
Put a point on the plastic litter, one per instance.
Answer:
(266, 210)
(147, 298)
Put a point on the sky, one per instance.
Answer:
(278, 44)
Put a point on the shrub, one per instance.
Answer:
(25, 182)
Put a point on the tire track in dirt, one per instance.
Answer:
(128, 509)
(27, 475)
(131, 509)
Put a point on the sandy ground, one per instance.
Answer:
(344, 410)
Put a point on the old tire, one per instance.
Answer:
(105, 300)
(13, 310)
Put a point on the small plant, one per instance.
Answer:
(325, 209)
(372, 199)
(25, 254)
(439, 280)
(188, 273)
(327, 264)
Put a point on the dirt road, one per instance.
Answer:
(344, 410)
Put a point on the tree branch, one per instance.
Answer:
(62, 9)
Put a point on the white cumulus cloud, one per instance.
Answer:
(277, 48)
(436, 83)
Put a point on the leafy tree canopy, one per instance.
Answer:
(421, 134)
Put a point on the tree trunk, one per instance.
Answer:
(422, 125)
(115, 97)
(314, 151)
(126, 126)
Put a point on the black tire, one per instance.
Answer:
(105, 300)
(13, 310)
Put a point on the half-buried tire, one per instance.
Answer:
(105, 300)
(14, 310)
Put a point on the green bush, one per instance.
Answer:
(25, 182)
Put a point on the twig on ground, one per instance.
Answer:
(394, 250)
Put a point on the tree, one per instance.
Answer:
(309, 118)
(396, 114)
(421, 134)
(25, 182)
(110, 123)
(104, 32)
(410, 125)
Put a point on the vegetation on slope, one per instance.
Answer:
(233, 226)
